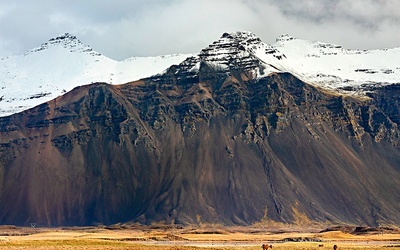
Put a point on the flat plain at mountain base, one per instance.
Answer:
(169, 238)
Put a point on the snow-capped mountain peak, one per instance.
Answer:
(66, 41)
(62, 63)
(231, 46)
(237, 44)
(238, 50)
(243, 38)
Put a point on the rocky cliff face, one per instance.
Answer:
(205, 142)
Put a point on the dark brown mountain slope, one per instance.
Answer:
(216, 146)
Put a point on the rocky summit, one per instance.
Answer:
(223, 137)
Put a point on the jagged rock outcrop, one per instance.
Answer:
(213, 143)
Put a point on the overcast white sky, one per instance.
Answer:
(123, 28)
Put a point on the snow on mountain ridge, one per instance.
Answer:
(63, 63)
(326, 65)
(334, 67)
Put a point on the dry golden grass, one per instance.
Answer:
(168, 238)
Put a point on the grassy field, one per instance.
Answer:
(170, 238)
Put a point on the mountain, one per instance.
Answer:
(226, 136)
(63, 63)
(334, 67)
